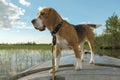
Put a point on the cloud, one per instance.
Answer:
(24, 3)
(9, 14)
(23, 26)
(6, 29)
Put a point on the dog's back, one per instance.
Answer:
(85, 31)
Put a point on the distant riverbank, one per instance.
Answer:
(26, 46)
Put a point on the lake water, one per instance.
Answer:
(15, 61)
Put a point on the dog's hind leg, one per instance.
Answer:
(90, 42)
(82, 51)
(78, 65)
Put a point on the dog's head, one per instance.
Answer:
(47, 17)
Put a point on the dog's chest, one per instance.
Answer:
(62, 43)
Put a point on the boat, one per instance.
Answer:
(104, 68)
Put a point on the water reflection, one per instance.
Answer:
(14, 61)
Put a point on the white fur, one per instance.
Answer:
(92, 58)
(78, 64)
(82, 51)
(92, 54)
(38, 23)
(57, 62)
(98, 25)
(62, 43)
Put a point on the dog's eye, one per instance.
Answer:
(43, 13)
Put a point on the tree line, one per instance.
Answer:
(110, 38)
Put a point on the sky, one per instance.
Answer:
(16, 16)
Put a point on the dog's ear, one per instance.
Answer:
(52, 11)
(49, 9)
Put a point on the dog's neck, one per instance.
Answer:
(57, 28)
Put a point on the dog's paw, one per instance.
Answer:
(51, 70)
(91, 62)
(78, 66)
(82, 60)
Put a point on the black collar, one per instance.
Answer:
(57, 28)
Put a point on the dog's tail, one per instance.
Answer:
(93, 26)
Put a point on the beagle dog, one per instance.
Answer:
(68, 36)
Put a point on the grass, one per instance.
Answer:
(25, 46)
(30, 46)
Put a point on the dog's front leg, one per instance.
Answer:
(57, 57)
(57, 54)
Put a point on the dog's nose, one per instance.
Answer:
(33, 21)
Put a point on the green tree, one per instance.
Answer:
(113, 29)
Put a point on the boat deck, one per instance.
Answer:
(105, 68)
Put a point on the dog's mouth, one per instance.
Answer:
(37, 23)
(40, 28)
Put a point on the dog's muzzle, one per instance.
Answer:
(37, 23)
